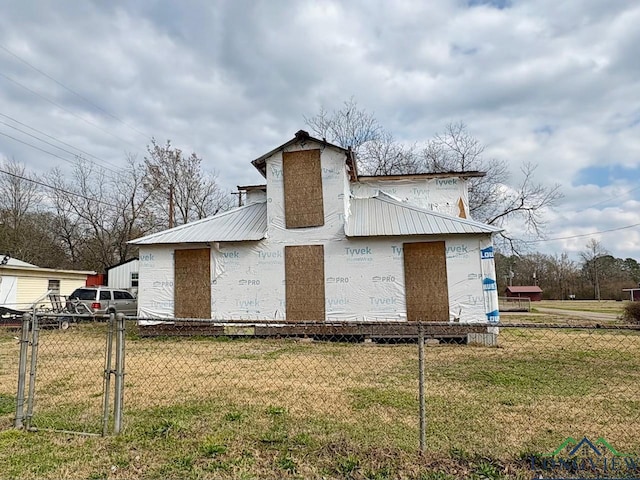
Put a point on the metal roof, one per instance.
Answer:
(243, 223)
(14, 262)
(383, 215)
(524, 289)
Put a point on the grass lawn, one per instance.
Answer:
(603, 306)
(219, 408)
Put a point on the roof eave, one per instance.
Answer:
(462, 174)
(260, 163)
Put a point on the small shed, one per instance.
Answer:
(634, 294)
(532, 292)
(124, 275)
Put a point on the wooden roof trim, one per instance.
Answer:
(468, 174)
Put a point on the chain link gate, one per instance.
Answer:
(65, 386)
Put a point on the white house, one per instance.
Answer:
(124, 275)
(22, 284)
(318, 242)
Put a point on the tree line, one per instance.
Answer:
(84, 219)
(596, 275)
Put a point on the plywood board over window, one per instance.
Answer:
(302, 175)
(304, 276)
(192, 283)
(425, 276)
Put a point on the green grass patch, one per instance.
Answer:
(7, 403)
(363, 398)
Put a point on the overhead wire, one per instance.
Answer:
(50, 144)
(69, 89)
(569, 237)
(66, 110)
(84, 152)
(52, 187)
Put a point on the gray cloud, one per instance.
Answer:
(553, 83)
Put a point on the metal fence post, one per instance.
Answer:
(423, 423)
(22, 369)
(119, 384)
(106, 390)
(34, 365)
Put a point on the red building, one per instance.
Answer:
(532, 292)
(634, 294)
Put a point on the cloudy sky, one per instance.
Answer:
(547, 82)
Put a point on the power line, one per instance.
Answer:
(36, 147)
(66, 109)
(58, 189)
(73, 91)
(53, 138)
(611, 198)
(50, 144)
(582, 234)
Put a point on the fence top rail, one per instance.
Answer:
(394, 322)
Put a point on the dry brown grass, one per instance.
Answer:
(537, 388)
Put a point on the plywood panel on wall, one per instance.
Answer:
(192, 283)
(425, 275)
(304, 274)
(303, 201)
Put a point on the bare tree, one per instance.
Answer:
(491, 198)
(96, 215)
(350, 126)
(19, 197)
(591, 264)
(177, 180)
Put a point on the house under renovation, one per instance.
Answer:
(320, 243)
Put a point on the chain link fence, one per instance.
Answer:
(502, 390)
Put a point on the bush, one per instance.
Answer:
(631, 312)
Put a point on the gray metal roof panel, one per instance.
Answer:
(240, 224)
(383, 215)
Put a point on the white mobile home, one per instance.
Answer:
(318, 242)
(22, 284)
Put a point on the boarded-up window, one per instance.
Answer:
(192, 283)
(302, 174)
(304, 274)
(425, 277)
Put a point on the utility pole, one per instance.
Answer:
(171, 215)
(595, 265)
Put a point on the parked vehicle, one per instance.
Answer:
(103, 301)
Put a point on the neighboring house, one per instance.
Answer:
(22, 284)
(634, 294)
(318, 242)
(124, 275)
(532, 292)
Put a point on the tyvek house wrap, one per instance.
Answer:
(444, 195)
(364, 280)
(364, 277)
